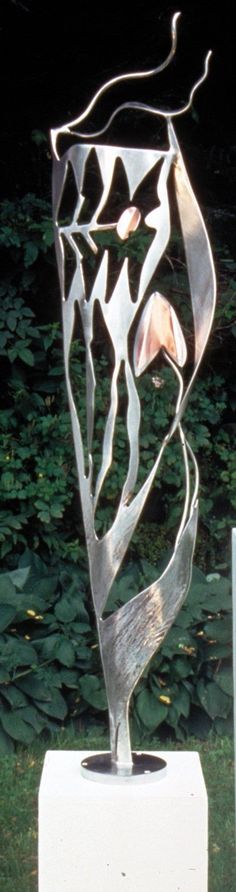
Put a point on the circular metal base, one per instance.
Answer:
(145, 768)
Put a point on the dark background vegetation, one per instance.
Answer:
(53, 58)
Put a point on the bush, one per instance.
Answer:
(37, 466)
(50, 670)
(50, 662)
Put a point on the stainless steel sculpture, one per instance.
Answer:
(129, 636)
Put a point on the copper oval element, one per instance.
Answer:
(128, 222)
(158, 328)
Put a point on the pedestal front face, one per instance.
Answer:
(127, 837)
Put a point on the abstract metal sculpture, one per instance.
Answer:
(130, 636)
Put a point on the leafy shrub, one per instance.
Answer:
(46, 640)
(37, 466)
(50, 668)
(36, 453)
(189, 686)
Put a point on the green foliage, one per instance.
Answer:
(36, 453)
(37, 476)
(50, 669)
(188, 685)
(38, 479)
(26, 230)
(46, 645)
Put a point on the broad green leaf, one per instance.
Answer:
(185, 618)
(189, 685)
(41, 578)
(181, 667)
(225, 726)
(213, 699)
(31, 253)
(197, 593)
(6, 743)
(219, 629)
(7, 589)
(65, 653)
(12, 320)
(217, 651)
(199, 724)
(121, 592)
(150, 711)
(70, 678)
(12, 354)
(4, 675)
(56, 510)
(82, 615)
(20, 576)
(33, 717)
(149, 571)
(84, 656)
(56, 707)
(93, 691)
(8, 481)
(215, 603)
(26, 355)
(14, 696)
(14, 725)
(44, 516)
(177, 641)
(190, 614)
(224, 679)
(34, 687)
(65, 611)
(3, 340)
(7, 614)
(182, 702)
(81, 628)
(197, 577)
(33, 601)
(48, 646)
(219, 587)
(173, 716)
(16, 653)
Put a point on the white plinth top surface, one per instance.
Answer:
(62, 777)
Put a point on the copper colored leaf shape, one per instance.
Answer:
(158, 328)
(128, 222)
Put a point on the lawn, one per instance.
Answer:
(20, 775)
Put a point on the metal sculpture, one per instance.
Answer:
(130, 636)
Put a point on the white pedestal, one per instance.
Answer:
(127, 837)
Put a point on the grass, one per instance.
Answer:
(20, 775)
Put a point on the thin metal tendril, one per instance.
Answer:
(141, 106)
(111, 83)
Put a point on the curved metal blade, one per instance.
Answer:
(131, 636)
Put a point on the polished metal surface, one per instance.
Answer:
(131, 634)
(145, 768)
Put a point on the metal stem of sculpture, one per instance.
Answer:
(130, 636)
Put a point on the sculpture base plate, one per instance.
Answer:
(144, 768)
